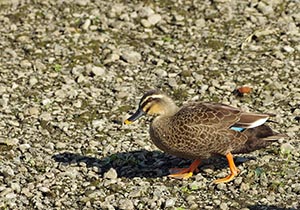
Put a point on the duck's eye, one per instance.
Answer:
(149, 100)
(145, 102)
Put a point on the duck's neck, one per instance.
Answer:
(170, 108)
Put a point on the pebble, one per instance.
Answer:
(98, 71)
(111, 174)
(145, 12)
(172, 82)
(286, 148)
(161, 73)
(126, 204)
(196, 185)
(60, 145)
(7, 171)
(46, 116)
(44, 189)
(113, 57)
(146, 23)
(132, 57)
(170, 202)
(265, 9)
(11, 141)
(86, 24)
(10, 196)
(32, 111)
(46, 101)
(238, 180)
(39, 65)
(81, 66)
(82, 3)
(15, 187)
(154, 19)
(200, 23)
(25, 64)
(190, 198)
(296, 187)
(81, 78)
(24, 147)
(224, 206)
(33, 81)
(244, 187)
(23, 39)
(222, 186)
(288, 49)
(98, 123)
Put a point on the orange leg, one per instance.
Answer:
(233, 169)
(185, 173)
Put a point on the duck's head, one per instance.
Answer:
(153, 102)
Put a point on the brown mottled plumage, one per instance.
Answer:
(200, 130)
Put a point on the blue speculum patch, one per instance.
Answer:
(237, 129)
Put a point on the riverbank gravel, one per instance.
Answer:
(71, 71)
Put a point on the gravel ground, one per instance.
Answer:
(71, 71)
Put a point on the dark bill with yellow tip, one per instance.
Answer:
(134, 117)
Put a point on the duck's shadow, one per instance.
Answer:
(140, 163)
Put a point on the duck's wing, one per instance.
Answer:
(209, 114)
(219, 115)
(251, 120)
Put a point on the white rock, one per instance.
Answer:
(145, 23)
(82, 3)
(39, 65)
(32, 111)
(25, 64)
(11, 141)
(44, 189)
(200, 23)
(161, 73)
(286, 148)
(145, 12)
(131, 56)
(172, 82)
(288, 49)
(50, 145)
(98, 123)
(7, 171)
(15, 187)
(98, 71)
(60, 145)
(126, 204)
(33, 81)
(86, 24)
(265, 9)
(179, 17)
(24, 147)
(224, 206)
(81, 78)
(60, 93)
(111, 174)
(46, 116)
(46, 101)
(10, 196)
(111, 58)
(170, 202)
(154, 19)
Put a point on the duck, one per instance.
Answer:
(200, 130)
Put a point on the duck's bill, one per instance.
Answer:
(134, 117)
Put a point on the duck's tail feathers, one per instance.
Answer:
(258, 137)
